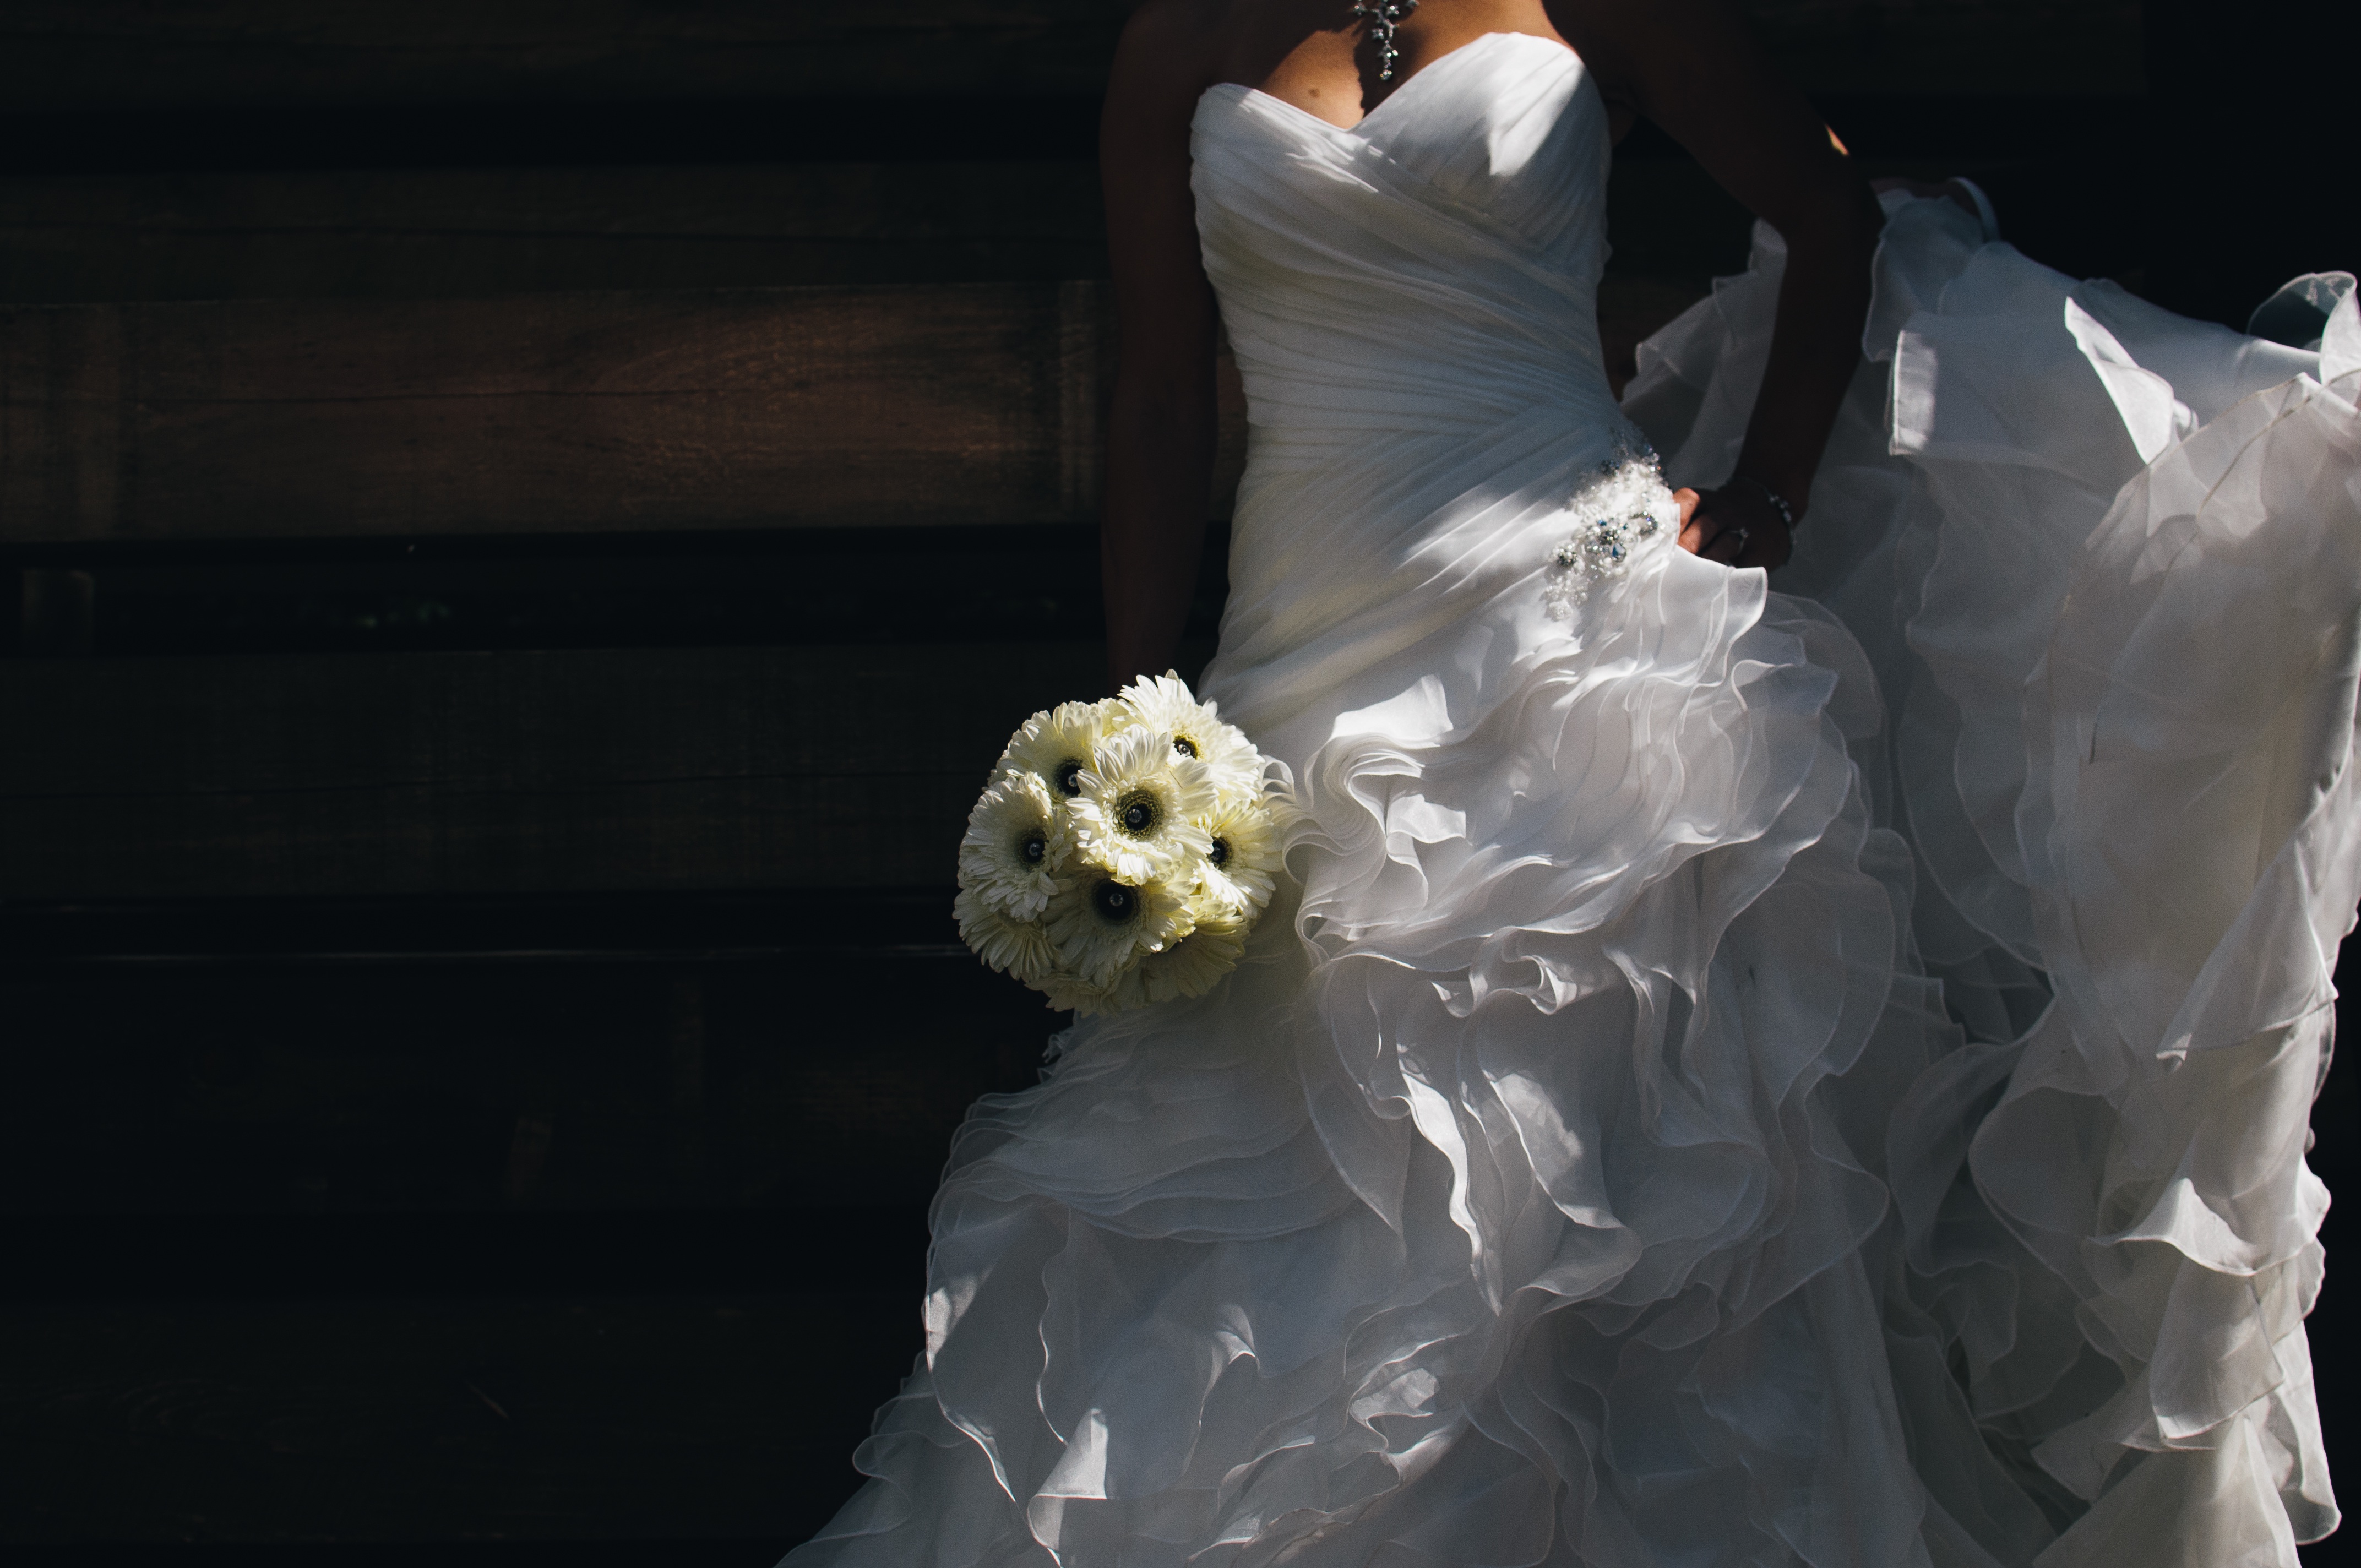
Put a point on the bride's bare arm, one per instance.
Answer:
(1692, 67)
(1160, 429)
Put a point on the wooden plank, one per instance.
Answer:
(529, 771)
(451, 234)
(2034, 47)
(87, 54)
(962, 584)
(167, 1257)
(635, 1553)
(429, 1422)
(580, 414)
(41, 940)
(574, 414)
(823, 1078)
(84, 54)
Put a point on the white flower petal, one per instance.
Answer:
(1165, 702)
(1101, 923)
(1191, 966)
(1055, 744)
(1020, 948)
(1017, 843)
(1242, 866)
(1140, 806)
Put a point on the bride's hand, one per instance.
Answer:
(1736, 526)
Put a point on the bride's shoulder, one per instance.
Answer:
(1171, 51)
(1175, 30)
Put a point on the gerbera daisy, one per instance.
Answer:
(1190, 966)
(1140, 804)
(1015, 845)
(1056, 745)
(1164, 702)
(1241, 862)
(1020, 948)
(1068, 994)
(1100, 921)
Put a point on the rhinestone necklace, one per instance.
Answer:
(1383, 16)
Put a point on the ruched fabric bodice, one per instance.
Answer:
(1412, 303)
(1433, 270)
(1730, 1078)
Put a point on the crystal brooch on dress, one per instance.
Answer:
(1624, 507)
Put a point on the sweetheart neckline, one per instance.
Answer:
(1244, 91)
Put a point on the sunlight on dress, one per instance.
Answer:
(1739, 1077)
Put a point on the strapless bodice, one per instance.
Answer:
(1431, 269)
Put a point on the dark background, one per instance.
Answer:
(480, 1020)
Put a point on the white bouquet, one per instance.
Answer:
(1122, 851)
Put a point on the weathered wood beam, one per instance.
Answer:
(2036, 47)
(520, 771)
(473, 233)
(432, 1420)
(159, 1255)
(821, 1079)
(573, 414)
(72, 54)
(89, 54)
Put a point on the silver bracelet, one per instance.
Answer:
(1778, 502)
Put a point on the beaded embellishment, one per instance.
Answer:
(1624, 508)
(1383, 16)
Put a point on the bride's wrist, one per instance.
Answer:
(1788, 508)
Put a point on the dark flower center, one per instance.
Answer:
(1033, 847)
(1139, 812)
(1220, 853)
(1067, 775)
(1115, 904)
(1186, 747)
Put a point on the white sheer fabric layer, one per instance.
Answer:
(1739, 1079)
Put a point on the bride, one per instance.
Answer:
(1739, 1077)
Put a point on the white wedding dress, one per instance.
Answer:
(1742, 1077)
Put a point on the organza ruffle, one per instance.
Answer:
(1469, 1211)
(2104, 562)
(1735, 1078)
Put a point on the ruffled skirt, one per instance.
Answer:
(1737, 1077)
